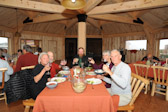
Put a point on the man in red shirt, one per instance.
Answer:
(54, 66)
(27, 59)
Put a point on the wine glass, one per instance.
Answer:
(49, 64)
(104, 61)
(76, 61)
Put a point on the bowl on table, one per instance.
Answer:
(51, 84)
(99, 71)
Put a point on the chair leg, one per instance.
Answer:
(27, 109)
(5, 98)
(166, 93)
(146, 89)
(153, 89)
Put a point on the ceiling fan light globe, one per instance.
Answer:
(69, 4)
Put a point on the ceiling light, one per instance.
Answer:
(73, 4)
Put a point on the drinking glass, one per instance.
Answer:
(49, 64)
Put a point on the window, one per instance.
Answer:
(136, 44)
(3, 42)
(163, 48)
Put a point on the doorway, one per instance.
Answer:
(94, 48)
(70, 48)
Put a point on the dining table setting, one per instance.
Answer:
(150, 73)
(77, 90)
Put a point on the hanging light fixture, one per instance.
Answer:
(17, 34)
(73, 4)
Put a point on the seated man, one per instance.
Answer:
(80, 59)
(39, 75)
(120, 78)
(54, 66)
(27, 59)
(4, 64)
(151, 58)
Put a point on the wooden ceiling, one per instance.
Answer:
(104, 16)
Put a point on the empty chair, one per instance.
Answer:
(2, 94)
(137, 84)
(160, 78)
(142, 70)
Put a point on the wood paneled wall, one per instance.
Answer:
(49, 43)
(111, 43)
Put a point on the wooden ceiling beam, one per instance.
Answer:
(93, 22)
(89, 6)
(4, 28)
(128, 6)
(35, 6)
(52, 17)
(112, 17)
(71, 23)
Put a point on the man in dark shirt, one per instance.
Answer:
(150, 57)
(80, 59)
(27, 59)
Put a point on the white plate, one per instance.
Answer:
(58, 79)
(90, 73)
(64, 72)
(93, 81)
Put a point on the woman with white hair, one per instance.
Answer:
(39, 75)
(106, 60)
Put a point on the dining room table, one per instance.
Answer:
(150, 70)
(64, 99)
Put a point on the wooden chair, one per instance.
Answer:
(142, 70)
(137, 84)
(3, 70)
(28, 67)
(160, 79)
(29, 102)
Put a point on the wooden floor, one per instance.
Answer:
(144, 103)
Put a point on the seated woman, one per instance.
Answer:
(39, 75)
(106, 60)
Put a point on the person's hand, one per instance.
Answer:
(75, 60)
(46, 68)
(91, 61)
(100, 77)
(49, 79)
(106, 69)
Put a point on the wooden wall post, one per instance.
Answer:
(150, 40)
(16, 43)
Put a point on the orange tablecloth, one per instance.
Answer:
(64, 99)
(150, 71)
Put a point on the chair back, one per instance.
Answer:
(160, 74)
(28, 67)
(3, 70)
(142, 70)
(137, 84)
